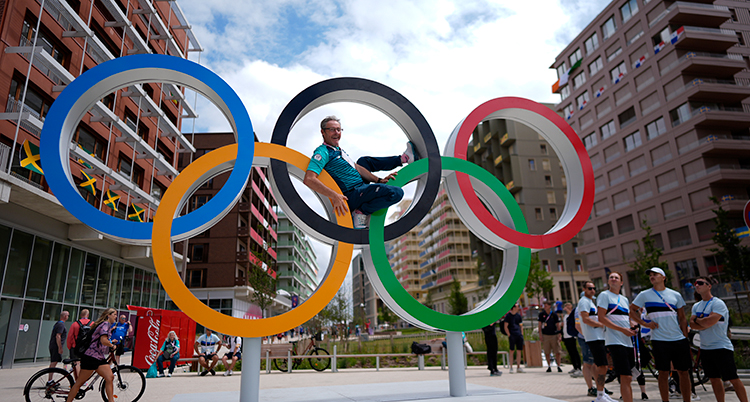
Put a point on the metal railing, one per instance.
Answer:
(4, 157)
(691, 55)
(687, 5)
(14, 106)
(53, 8)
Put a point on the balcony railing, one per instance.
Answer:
(691, 55)
(14, 106)
(688, 5)
(4, 157)
(53, 8)
(699, 81)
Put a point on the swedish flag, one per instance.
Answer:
(137, 214)
(112, 200)
(89, 183)
(30, 158)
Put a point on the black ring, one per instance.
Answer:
(299, 106)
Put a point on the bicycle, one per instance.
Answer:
(317, 363)
(128, 384)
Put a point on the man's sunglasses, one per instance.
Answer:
(591, 288)
(701, 283)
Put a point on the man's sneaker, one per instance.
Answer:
(203, 373)
(511, 370)
(609, 398)
(410, 155)
(592, 392)
(675, 395)
(226, 373)
(572, 370)
(359, 220)
(602, 398)
(230, 372)
(213, 372)
(169, 374)
(496, 374)
(644, 397)
(520, 370)
(160, 375)
(695, 397)
(728, 386)
(559, 370)
(549, 369)
(576, 373)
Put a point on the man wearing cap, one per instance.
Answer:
(711, 317)
(669, 331)
(593, 331)
(363, 192)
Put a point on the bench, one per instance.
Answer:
(276, 351)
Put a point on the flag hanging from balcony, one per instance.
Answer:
(137, 214)
(89, 183)
(600, 92)
(676, 35)
(619, 78)
(640, 61)
(112, 200)
(659, 47)
(30, 158)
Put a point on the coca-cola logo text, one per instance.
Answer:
(153, 337)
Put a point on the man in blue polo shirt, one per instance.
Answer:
(363, 192)
(665, 309)
(711, 317)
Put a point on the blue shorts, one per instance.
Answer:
(515, 342)
(588, 358)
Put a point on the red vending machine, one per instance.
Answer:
(151, 329)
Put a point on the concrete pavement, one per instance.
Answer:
(535, 381)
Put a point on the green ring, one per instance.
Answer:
(427, 316)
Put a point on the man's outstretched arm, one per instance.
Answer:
(371, 178)
(338, 200)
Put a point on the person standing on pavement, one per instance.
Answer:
(513, 323)
(711, 317)
(122, 330)
(612, 310)
(570, 334)
(83, 320)
(593, 331)
(490, 339)
(665, 309)
(56, 341)
(588, 368)
(549, 331)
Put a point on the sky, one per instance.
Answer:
(446, 57)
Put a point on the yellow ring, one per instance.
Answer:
(184, 298)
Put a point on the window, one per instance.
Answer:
(661, 154)
(625, 224)
(611, 153)
(45, 40)
(561, 268)
(553, 214)
(616, 176)
(157, 190)
(551, 197)
(575, 247)
(590, 141)
(605, 231)
(545, 264)
(198, 253)
(655, 128)
(565, 92)
(569, 110)
(679, 237)
(609, 27)
(90, 142)
(637, 165)
(642, 191)
(545, 165)
(579, 268)
(538, 213)
(667, 181)
(673, 208)
(601, 207)
(628, 10)
(632, 141)
(608, 129)
(582, 99)
(618, 72)
(627, 117)
(733, 14)
(592, 43)
(595, 66)
(196, 278)
(36, 103)
(621, 199)
(575, 57)
(562, 69)
(125, 166)
(740, 39)
(614, 53)
(680, 114)
(548, 181)
(198, 201)
(543, 149)
(140, 129)
(579, 80)
(532, 165)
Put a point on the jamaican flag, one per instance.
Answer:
(137, 213)
(112, 200)
(30, 158)
(89, 183)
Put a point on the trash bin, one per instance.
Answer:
(532, 353)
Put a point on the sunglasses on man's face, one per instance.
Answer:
(700, 283)
(591, 288)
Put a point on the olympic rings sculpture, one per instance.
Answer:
(499, 222)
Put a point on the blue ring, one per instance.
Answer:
(54, 155)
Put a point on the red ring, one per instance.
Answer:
(542, 241)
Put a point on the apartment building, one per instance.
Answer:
(297, 262)
(123, 156)
(657, 91)
(521, 159)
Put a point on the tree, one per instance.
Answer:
(263, 284)
(648, 257)
(540, 281)
(457, 300)
(385, 315)
(734, 257)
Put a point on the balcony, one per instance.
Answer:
(243, 207)
(242, 256)
(706, 39)
(243, 231)
(721, 117)
(713, 90)
(507, 140)
(30, 119)
(707, 64)
(721, 146)
(686, 13)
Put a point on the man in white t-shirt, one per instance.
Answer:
(206, 347)
(593, 331)
(612, 309)
(711, 317)
(234, 354)
(665, 309)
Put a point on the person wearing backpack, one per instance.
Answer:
(234, 354)
(170, 350)
(93, 351)
(570, 339)
(80, 327)
(513, 327)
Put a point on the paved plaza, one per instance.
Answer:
(185, 386)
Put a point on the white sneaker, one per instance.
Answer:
(511, 370)
(410, 155)
(576, 373)
(520, 370)
(360, 220)
(609, 398)
(169, 374)
(226, 373)
(230, 372)
(602, 398)
(695, 397)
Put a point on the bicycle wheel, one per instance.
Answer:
(281, 364)
(319, 363)
(128, 385)
(36, 388)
